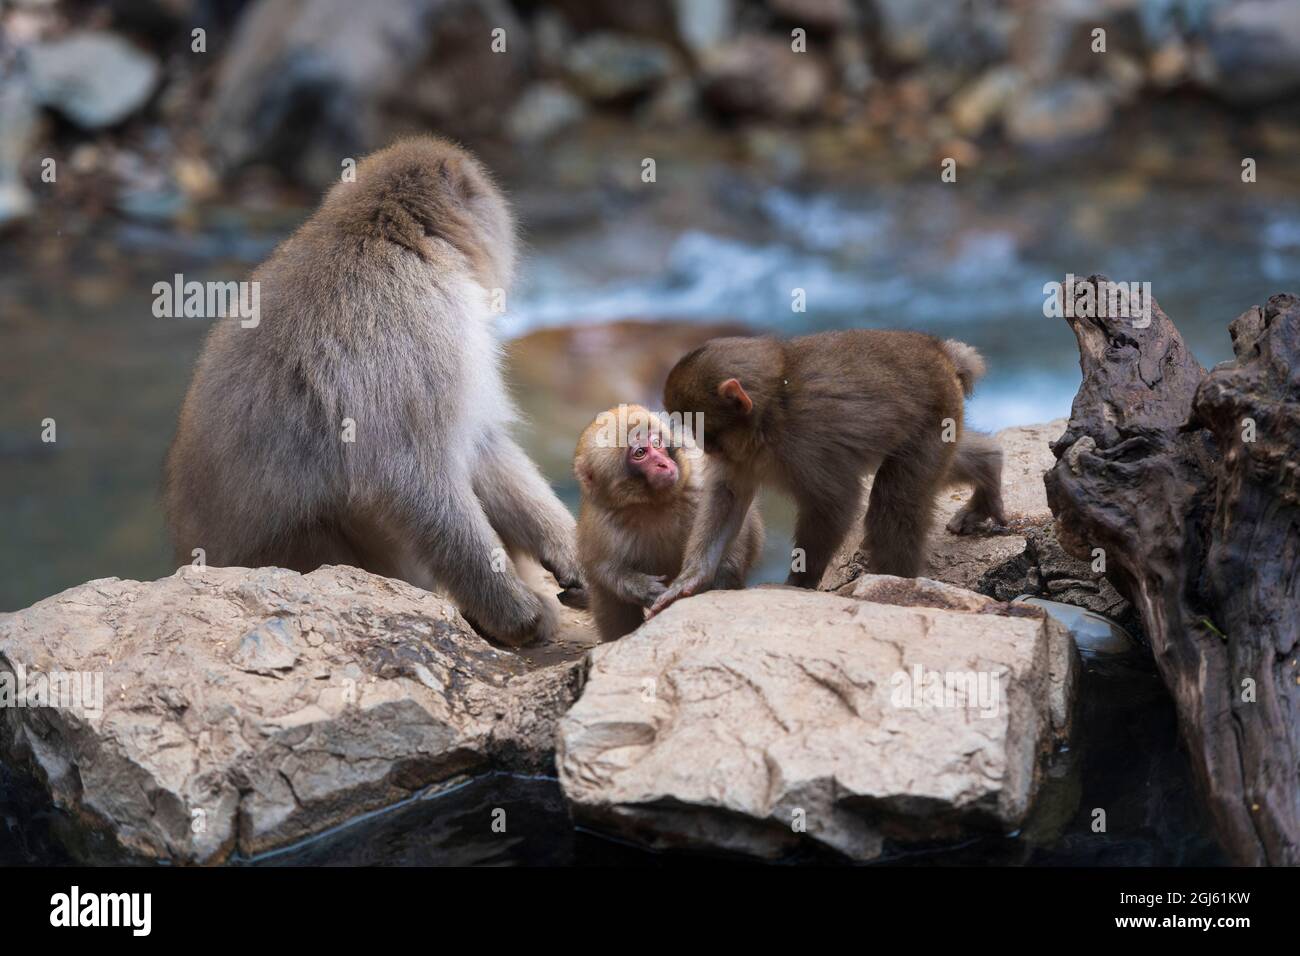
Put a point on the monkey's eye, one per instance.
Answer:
(638, 453)
(657, 441)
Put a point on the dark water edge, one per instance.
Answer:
(1124, 759)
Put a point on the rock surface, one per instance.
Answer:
(963, 559)
(246, 709)
(1045, 570)
(926, 592)
(765, 721)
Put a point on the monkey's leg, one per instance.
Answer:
(463, 554)
(823, 522)
(731, 576)
(978, 462)
(614, 618)
(742, 556)
(901, 510)
(525, 511)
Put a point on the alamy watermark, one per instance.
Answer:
(925, 689)
(65, 690)
(208, 300)
(1085, 299)
(618, 428)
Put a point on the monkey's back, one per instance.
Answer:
(904, 379)
(374, 363)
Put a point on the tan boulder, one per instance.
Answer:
(243, 710)
(760, 721)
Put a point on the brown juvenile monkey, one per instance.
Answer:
(814, 414)
(640, 492)
(364, 420)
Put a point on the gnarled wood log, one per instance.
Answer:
(1190, 483)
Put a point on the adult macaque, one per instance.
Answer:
(813, 415)
(640, 492)
(364, 420)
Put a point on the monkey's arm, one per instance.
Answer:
(726, 503)
(608, 561)
(640, 589)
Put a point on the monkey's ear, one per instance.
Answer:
(457, 178)
(732, 391)
(585, 475)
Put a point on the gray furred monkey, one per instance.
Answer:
(376, 311)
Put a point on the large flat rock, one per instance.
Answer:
(243, 710)
(757, 721)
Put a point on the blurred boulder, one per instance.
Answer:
(852, 61)
(704, 24)
(761, 76)
(643, 18)
(956, 36)
(304, 85)
(977, 106)
(609, 67)
(1255, 50)
(544, 110)
(672, 105)
(816, 14)
(1061, 113)
(95, 79)
(17, 133)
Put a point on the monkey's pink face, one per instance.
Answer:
(650, 461)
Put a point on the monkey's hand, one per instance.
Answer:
(642, 589)
(684, 585)
(563, 564)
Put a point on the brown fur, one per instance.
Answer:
(632, 538)
(828, 409)
(375, 310)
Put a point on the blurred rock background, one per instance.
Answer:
(164, 102)
(144, 138)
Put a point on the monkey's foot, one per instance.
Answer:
(538, 628)
(574, 597)
(968, 521)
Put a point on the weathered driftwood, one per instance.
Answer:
(1190, 482)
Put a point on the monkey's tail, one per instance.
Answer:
(969, 363)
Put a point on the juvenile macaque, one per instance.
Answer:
(640, 492)
(364, 420)
(813, 415)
